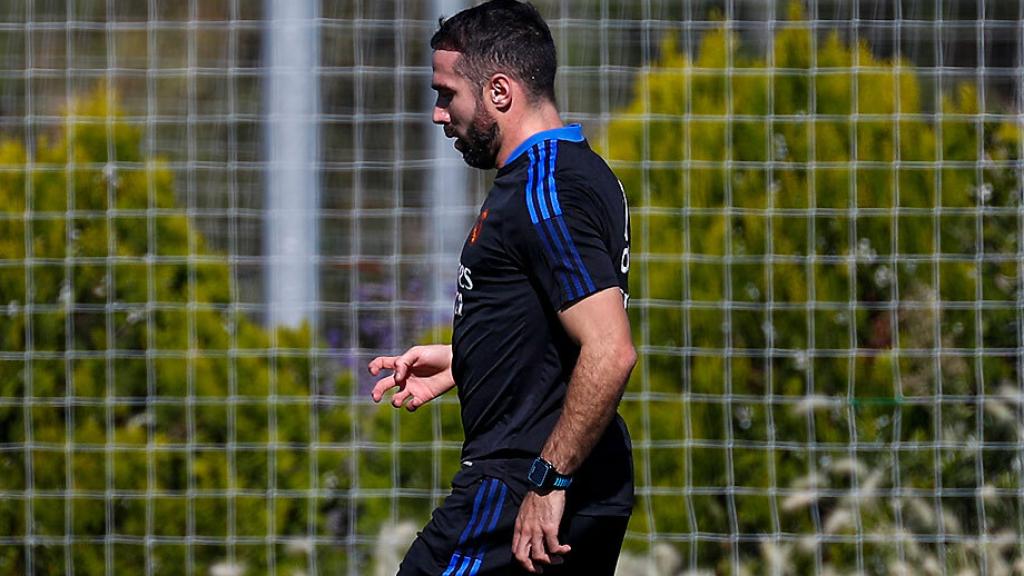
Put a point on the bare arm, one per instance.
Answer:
(600, 325)
(421, 374)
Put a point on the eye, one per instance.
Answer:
(444, 97)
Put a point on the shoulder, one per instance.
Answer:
(557, 176)
(579, 166)
(585, 182)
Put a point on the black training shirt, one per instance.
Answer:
(553, 230)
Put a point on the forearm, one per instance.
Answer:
(446, 379)
(595, 388)
(448, 355)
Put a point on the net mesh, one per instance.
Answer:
(826, 293)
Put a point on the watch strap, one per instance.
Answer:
(543, 476)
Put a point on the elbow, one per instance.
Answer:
(616, 358)
(627, 359)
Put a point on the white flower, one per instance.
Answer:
(798, 500)
(227, 569)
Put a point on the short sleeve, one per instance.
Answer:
(566, 251)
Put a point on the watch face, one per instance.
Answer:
(538, 472)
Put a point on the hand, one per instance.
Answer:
(535, 541)
(421, 374)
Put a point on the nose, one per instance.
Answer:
(440, 116)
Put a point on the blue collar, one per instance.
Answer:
(570, 132)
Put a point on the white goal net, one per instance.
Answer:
(827, 288)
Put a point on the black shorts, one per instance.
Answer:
(470, 534)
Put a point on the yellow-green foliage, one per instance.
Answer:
(768, 246)
(122, 351)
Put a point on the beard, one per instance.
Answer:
(480, 146)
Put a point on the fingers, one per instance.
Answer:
(413, 404)
(521, 548)
(405, 362)
(400, 364)
(381, 363)
(543, 548)
(400, 397)
(516, 541)
(402, 370)
(382, 386)
(554, 547)
(537, 551)
(536, 546)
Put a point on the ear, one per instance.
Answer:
(498, 91)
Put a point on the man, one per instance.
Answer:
(541, 349)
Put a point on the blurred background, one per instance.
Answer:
(214, 213)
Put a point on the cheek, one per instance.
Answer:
(462, 110)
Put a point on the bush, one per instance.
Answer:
(138, 400)
(811, 239)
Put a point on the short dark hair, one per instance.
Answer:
(502, 35)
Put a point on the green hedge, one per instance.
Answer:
(122, 350)
(787, 213)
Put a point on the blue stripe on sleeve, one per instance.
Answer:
(544, 178)
(533, 183)
(553, 192)
(555, 207)
(554, 258)
(529, 188)
(576, 256)
(539, 189)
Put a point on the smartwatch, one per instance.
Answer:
(544, 478)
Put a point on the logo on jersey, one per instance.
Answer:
(477, 227)
(465, 282)
(465, 277)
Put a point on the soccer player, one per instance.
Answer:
(541, 349)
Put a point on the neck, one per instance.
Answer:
(517, 130)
